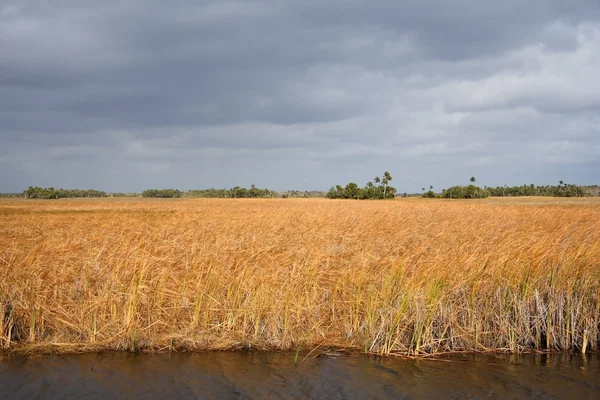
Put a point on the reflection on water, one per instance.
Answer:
(274, 376)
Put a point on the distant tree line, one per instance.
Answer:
(475, 192)
(162, 193)
(51, 193)
(233, 193)
(208, 193)
(297, 194)
(561, 190)
(121, 194)
(379, 188)
(254, 192)
(462, 192)
(236, 192)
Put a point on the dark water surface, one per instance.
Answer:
(274, 376)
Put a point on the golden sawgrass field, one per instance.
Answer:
(409, 276)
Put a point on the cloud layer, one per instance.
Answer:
(128, 95)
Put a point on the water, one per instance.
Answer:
(274, 376)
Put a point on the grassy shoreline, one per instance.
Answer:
(408, 277)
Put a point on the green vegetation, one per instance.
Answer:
(430, 194)
(562, 190)
(459, 192)
(462, 192)
(474, 192)
(120, 194)
(254, 192)
(378, 189)
(51, 193)
(162, 193)
(233, 193)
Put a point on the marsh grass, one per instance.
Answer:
(412, 277)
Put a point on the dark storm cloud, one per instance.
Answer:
(304, 94)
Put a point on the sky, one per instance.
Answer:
(129, 95)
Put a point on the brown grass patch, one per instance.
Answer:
(406, 276)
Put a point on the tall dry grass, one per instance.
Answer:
(404, 276)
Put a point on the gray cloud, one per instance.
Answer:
(129, 95)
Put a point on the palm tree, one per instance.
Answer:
(386, 179)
